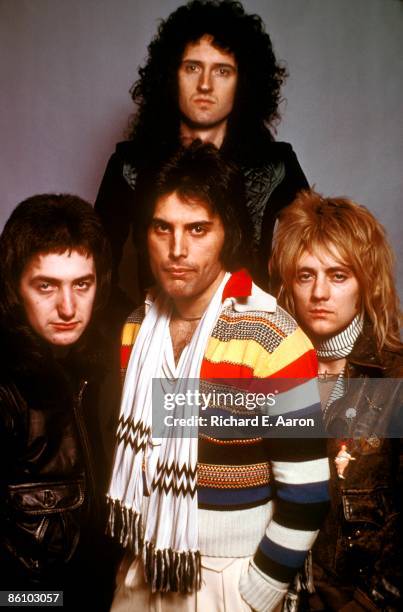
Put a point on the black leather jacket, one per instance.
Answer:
(359, 545)
(49, 493)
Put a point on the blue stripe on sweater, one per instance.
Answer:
(231, 497)
(282, 555)
(306, 493)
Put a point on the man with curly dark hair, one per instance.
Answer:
(211, 74)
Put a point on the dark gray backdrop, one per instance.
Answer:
(66, 68)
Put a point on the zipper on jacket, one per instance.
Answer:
(85, 447)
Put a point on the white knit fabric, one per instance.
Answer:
(146, 364)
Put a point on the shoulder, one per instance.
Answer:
(258, 317)
(392, 361)
(132, 326)
(365, 358)
(268, 149)
(272, 159)
(125, 153)
(125, 148)
(280, 152)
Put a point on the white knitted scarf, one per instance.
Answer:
(341, 344)
(337, 347)
(166, 534)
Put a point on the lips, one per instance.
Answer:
(320, 312)
(199, 100)
(178, 272)
(65, 326)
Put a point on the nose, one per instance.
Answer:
(66, 306)
(205, 81)
(321, 289)
(178, 245)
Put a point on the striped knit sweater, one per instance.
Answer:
(260, 497)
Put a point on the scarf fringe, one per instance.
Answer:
(168, 570)
(124, 525)
(165, 570)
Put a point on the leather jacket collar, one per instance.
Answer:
(365, 358)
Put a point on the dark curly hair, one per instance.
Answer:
(199, 172)
(155, 126)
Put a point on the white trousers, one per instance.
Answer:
(219, 591)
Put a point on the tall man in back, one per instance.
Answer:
(205, 517)
(210, 74)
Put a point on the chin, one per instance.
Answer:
(177, 294)
(320, 332)
(65, 339)
(176, 289)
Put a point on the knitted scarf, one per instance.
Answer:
(163, 470)
(341, 344)
(337, 347)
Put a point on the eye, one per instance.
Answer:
(223, 71)
(339, 277)
(45, 287)
(304, 277)
(191, 68)
(198, 230)
(160, 227)
(83, 285)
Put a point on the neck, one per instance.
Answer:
(214, 135)
(60, 352)
(331, 367)
(193, 308)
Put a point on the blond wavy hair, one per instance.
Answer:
(348, 231)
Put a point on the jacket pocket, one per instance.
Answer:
(43, 523)
(366, 506)
(46, 498)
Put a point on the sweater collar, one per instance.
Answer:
(243, 295)
(239, 285)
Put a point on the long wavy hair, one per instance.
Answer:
(155, 126)
(348, 231)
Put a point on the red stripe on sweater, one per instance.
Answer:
(125, 352)
(224, 370)
(305, 366)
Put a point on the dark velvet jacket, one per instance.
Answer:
(53, 468)
(359, 546)
(273, 178)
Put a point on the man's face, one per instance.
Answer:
(57, 292)
(326, 294)
(207, 78)
(185, 240)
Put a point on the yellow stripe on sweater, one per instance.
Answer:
(129, 333)
(291, 349)
(251, 354)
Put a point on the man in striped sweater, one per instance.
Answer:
(211, 522)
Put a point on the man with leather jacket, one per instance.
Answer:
(54, 261)
(333, 269)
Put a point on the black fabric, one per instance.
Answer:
(53, 470)
(289, 514)
(273, 569)
(360, 543)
